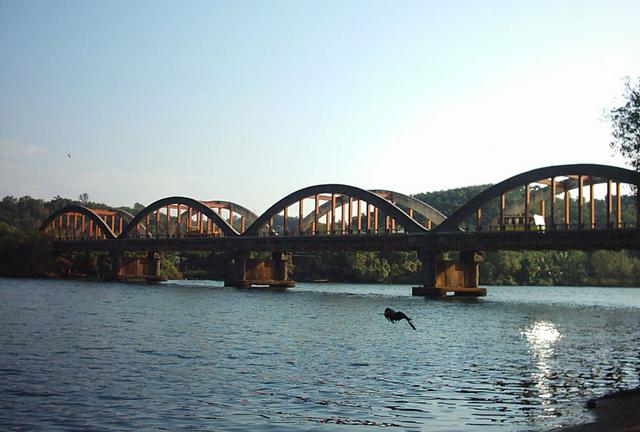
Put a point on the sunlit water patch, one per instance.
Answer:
(193, 355)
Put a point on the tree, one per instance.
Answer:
(625, 121)
(84, 198)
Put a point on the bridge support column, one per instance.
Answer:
(429, 268)
(443, 276)
(116, 265)
(254, 273)
(241, 267)
(153, 267)
(280, 266)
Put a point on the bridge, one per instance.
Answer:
(553, 207)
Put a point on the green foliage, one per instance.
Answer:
(24, 253)
(560, 268)
(83, 263)
(137, 207)
(383, 267)
(500, 268)
(625, 123)
(23, 214)
(608, 267)
(448, 201)
(203, 265)
(168, 266)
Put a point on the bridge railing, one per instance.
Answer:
(556, 227)
(174, 236)
(335, 233)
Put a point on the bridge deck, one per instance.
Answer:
(612, 239)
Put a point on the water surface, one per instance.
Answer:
(196, 356)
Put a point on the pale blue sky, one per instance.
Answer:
(249, 101)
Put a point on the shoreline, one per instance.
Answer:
(94, 278)
(614, 412)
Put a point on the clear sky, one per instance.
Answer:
(250, 100)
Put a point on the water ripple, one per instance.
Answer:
(77, 356)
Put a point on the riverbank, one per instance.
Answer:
(615, 412)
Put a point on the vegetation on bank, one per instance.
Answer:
(625, 124)
(24, 251)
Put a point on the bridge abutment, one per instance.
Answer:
(254, 272)
(443, 275)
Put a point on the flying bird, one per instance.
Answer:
(69, 155)
(394, 316)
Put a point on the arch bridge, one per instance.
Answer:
(578, 206)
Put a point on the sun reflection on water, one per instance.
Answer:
(542, 337)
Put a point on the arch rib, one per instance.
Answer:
(419, 206)
(237, 208)
(248, 215)
(84, 211)
(195, 204)
(605, 171)
(123, 214)
(390, 209)
(396, 198)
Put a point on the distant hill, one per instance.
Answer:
(449, 200)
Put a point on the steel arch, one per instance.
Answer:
(84, 211)
(392, 210)
(242, 211)
(123, 214)
(193, 203)
(604, 171)
(395, 198)
(413, 203)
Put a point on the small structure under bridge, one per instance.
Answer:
(581, 206)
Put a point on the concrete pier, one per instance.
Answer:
(256, 273)
(447, 275)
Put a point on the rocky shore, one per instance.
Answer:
(615, 412)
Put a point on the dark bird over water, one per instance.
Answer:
(394, 316)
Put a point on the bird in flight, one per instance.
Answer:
(394, 316)
(69, 155)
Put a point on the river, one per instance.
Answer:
(192, 355)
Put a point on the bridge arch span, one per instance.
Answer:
(575, 177)
(122, 213)
(408, 204)
(247, 217)
(63, 226)
(412, 203)
(117, 219)
(193, 207)
(350, 194)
